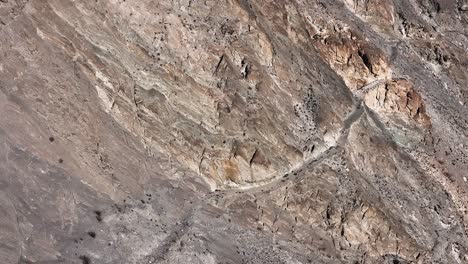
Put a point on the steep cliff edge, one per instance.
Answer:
(233, 131)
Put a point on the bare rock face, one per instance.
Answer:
(211, 91)
(233, 131)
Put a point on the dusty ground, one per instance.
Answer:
(233, 131)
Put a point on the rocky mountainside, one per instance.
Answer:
(233, 131)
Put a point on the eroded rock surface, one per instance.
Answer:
(233, 131)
